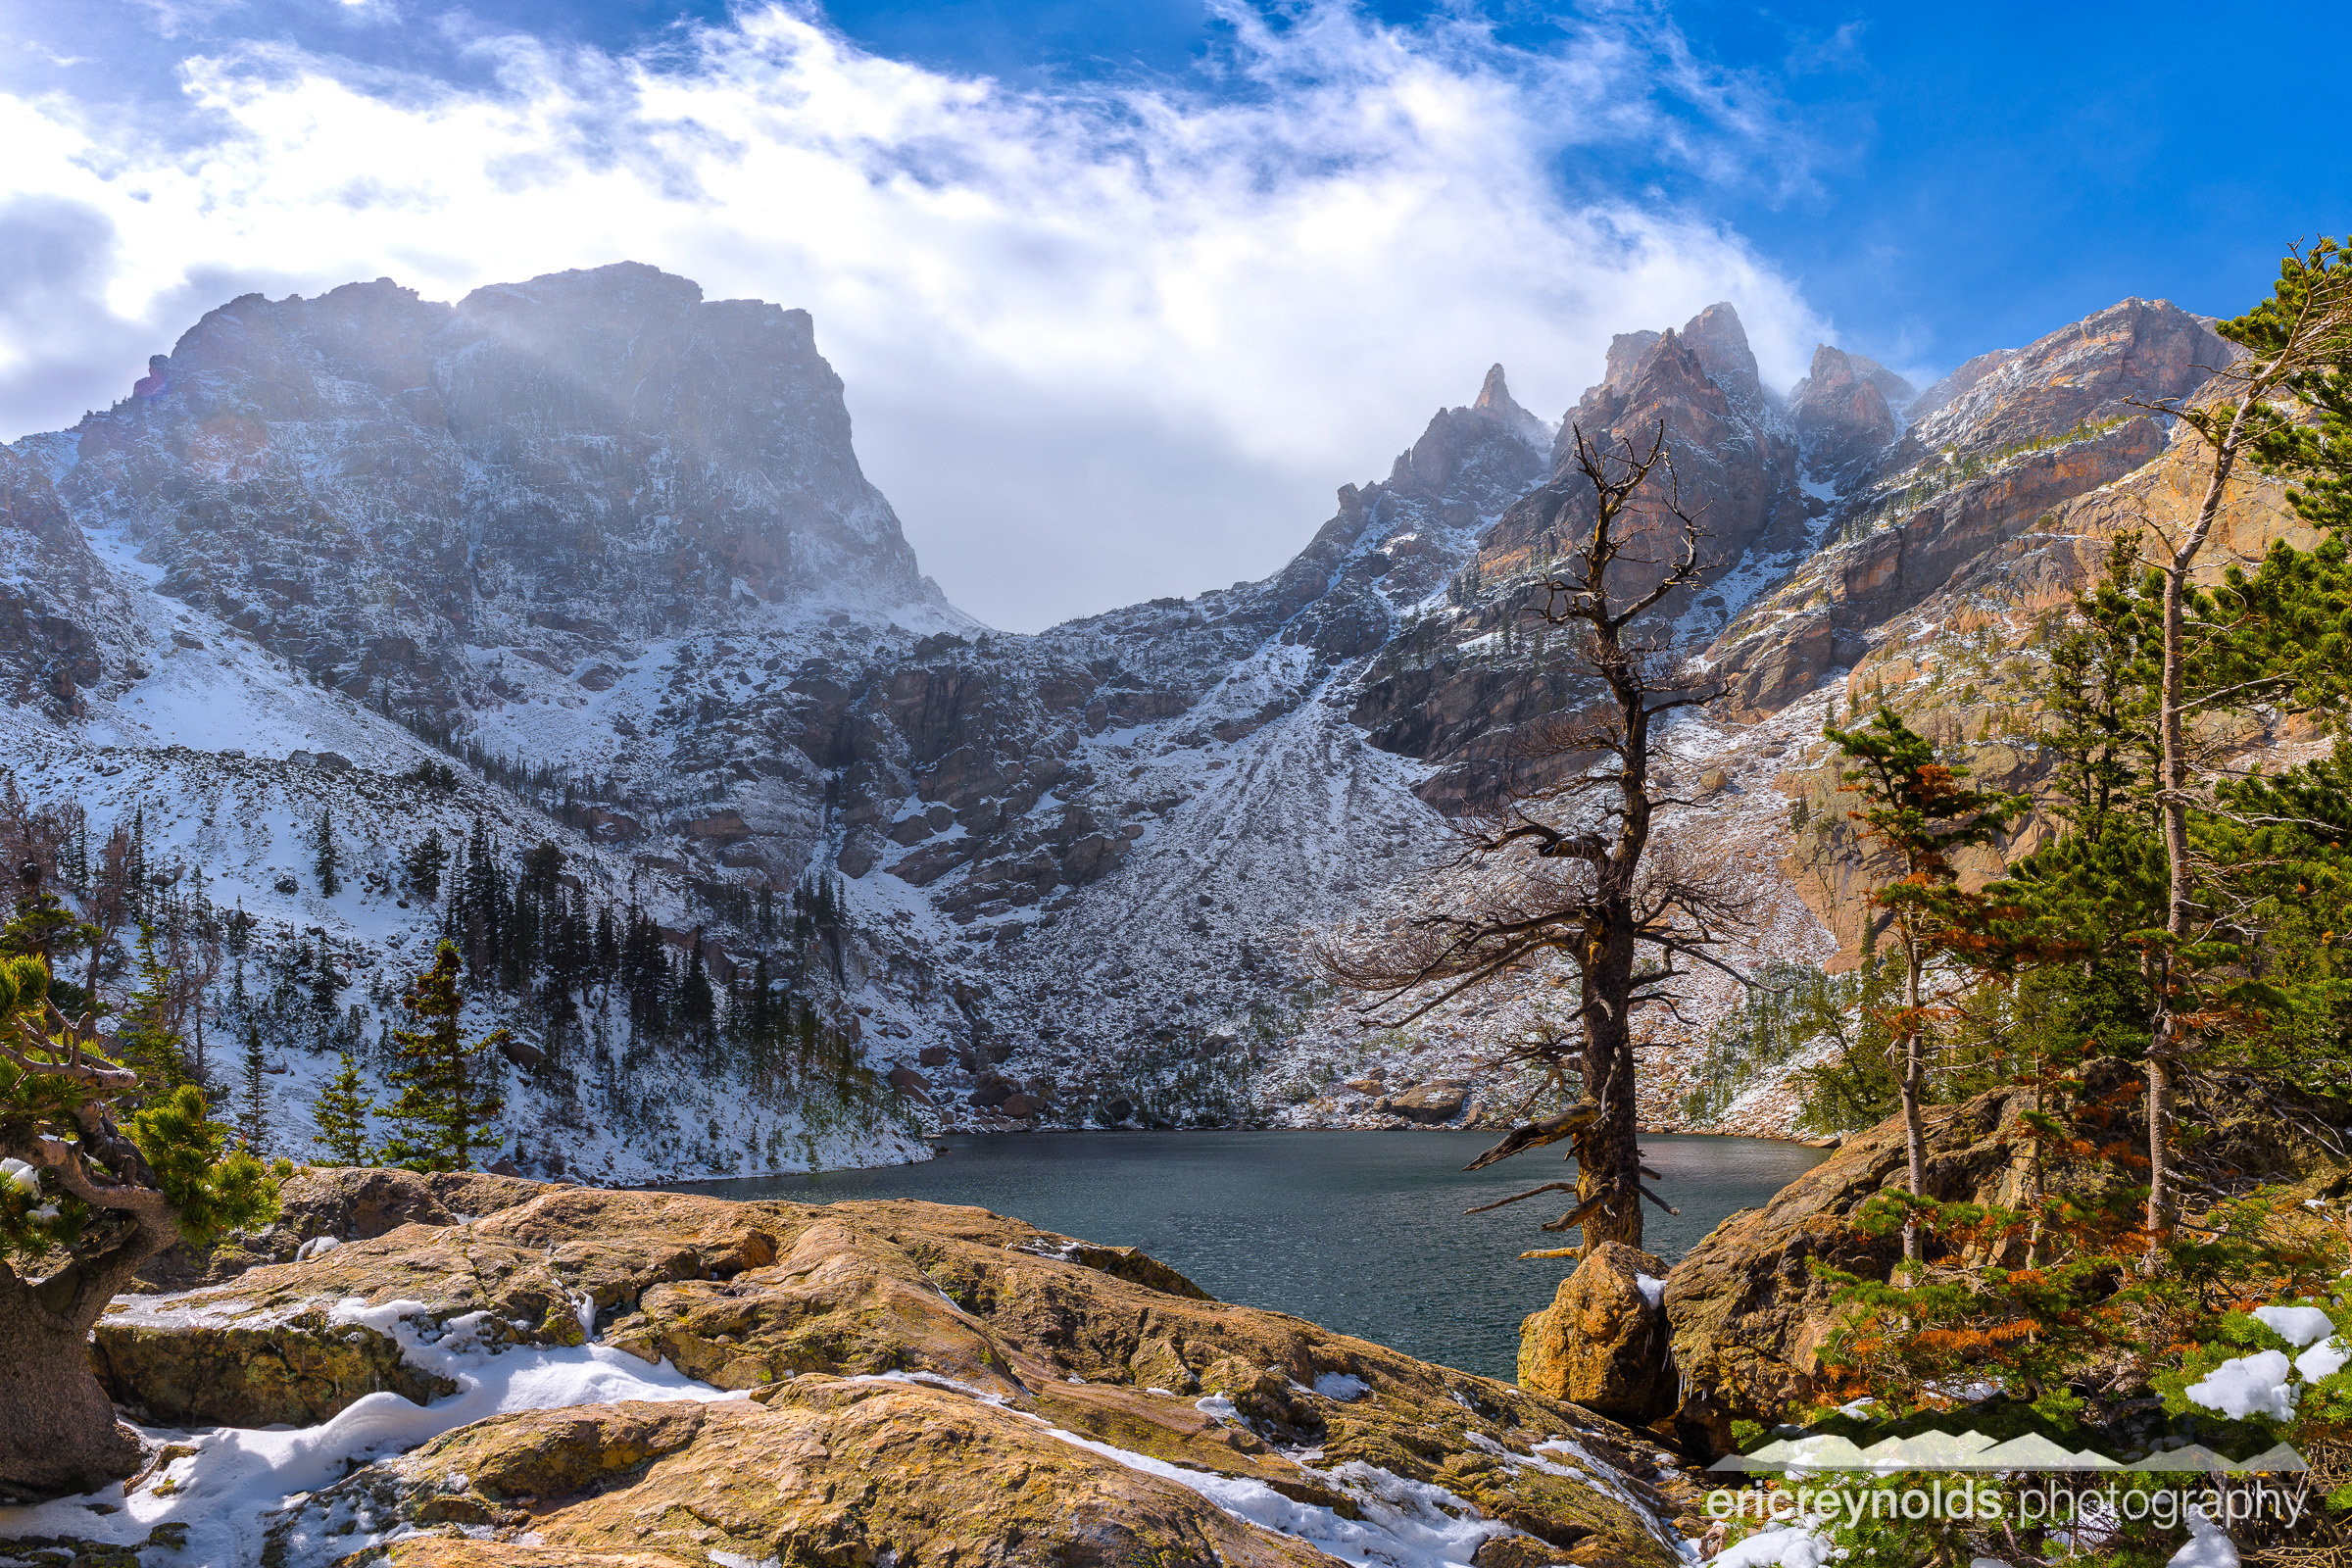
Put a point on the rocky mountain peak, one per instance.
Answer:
(1627, 351)
(1991, 447)
(1716, 335)
(1842, 411)
(371, 482)
(2083, 373)
(1669, 381)
(1494, 403)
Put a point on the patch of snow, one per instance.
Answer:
(2322, 1360)
(1405, 1524)
(2296, 1325)
(1653, 1291)
(1789, 1546)
(1342, 1386)
(2209, 1546)
(2247, 1384)
(237, 1475)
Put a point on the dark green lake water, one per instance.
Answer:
(1360, 1232)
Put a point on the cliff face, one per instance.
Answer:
(59, 610)
(368, 483)
(1992, 449)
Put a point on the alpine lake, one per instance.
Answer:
(1360, 1232)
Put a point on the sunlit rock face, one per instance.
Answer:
(367, 481)
(1990, 449)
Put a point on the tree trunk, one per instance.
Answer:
(2164, 1035)
(1608, 1153)
(58, 1431)
(1915, 1130)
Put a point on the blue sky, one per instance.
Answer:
(1131, 287)
(1976, 174)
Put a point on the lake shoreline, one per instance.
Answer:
(1826, 1146)
(1369, 1236)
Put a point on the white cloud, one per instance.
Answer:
(1103, 343)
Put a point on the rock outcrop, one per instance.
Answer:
(1601, 1342)
(327, 1205)
(1027, 1397)
(1842, 414)
(62, 620)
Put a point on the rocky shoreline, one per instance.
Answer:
(479, 1369)
(809, 1382)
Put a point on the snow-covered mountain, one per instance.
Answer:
(609, 543)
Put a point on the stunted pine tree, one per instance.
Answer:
(88, 1202)
(341, 1114)
(1918, 810)
(448, 1098)
(1570, 868)
(326, 863)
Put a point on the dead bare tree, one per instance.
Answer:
(1568, 868)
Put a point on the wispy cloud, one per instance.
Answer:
(1102, 342)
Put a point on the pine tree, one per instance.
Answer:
(327, 988)
(447, 1097)
(698, 1006)
(1918, 810)
(253, 1119)
(147, 1043)
(323, 864)
(341, 1114)
(2299, 340)
(424, 864)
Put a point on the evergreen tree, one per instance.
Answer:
(253, 1118)
(327, 986)
(324, 864)
(147, 1043)
(698, 1006)
(134, 864)
(424, 864)
(448, 1097)
(341, 1114)
(2300, 337)
(1918, 810)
